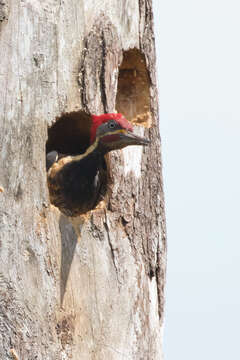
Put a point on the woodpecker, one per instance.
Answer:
(77, 183)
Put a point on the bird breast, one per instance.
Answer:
(76, 187)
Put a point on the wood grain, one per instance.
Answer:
(91, 287)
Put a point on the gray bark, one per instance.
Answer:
(90, 287)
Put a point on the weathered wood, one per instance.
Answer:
(90, 287)
(3, 10)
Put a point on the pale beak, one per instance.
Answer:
(131, 139)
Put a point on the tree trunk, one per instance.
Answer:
(89, 287)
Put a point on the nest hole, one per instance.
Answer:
(133, 93)
(70, 134)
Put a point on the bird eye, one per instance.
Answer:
(111, 124)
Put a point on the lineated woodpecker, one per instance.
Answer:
(77, 183)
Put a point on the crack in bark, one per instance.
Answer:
(82, 78)
(160, 279)
(112, 250)
(102, 74)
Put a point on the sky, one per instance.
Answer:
(198, 61)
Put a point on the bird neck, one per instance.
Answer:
(94, 150)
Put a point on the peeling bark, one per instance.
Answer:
(90, 287)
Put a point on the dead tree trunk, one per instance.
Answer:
(90, 287)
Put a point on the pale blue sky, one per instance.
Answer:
(198, 48)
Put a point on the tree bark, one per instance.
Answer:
(89, 287)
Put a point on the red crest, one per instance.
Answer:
(97, 120)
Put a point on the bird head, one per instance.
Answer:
(113, 132)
